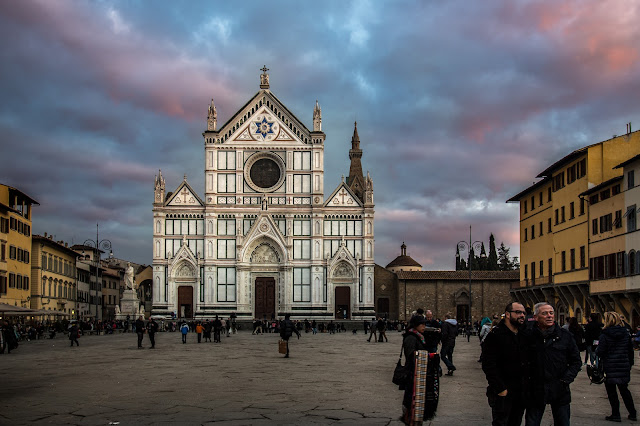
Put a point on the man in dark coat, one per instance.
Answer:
(504, 361)
(554, 363)
(140, 330)
(73, 334)
(591, 333)
(287, 328)
(152, 329)
(433, 332)
(449, 332)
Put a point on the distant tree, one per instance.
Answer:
(506, 263)
(492, 260)
(482, 260)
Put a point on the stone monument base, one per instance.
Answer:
(129, 306)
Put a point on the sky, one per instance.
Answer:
(459, 104)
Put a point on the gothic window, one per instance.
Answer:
(301, 227)
(301, 184)
(226, 249)
(302, 160)
(302, 249)
(226, 182)
(226, 285)
(226, 227)
(301, 284)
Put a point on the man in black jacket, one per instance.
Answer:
(152, 329)
(504, 360)
(140, 330)
(554, 363)
(287, 328)
(592, 331)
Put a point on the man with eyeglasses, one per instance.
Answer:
(554, 363)
(504, 361)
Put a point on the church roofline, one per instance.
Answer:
(177, 191)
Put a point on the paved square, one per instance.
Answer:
(329, 379)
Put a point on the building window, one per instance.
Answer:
(606, 224)
(618, 221)
(562, 214)
(526, 234)
(549, 195)
(630, 179)
(605, 194)
(594, 226)
(541, 229)
(549, 226)
(226, 160)
(583, 257)
(563, 261)
(226, 182)
(582, 168)
(581, 206)
(541, 268)
(540, 197)
(226, 227)
(302, 227)
(558, 181)
(302, 249)
(302, 160)
(533, 203)
(226, 249)
(525, 205)
(593, 199)
(533, 270)
(226, 284)
(572, 210)
(301, 284)
(620, 264)
(526, 272)
(572, 259)
(550, 266)
(557, 216)
(533, 232)
(615, 189)
(301, 184)
(631, 218)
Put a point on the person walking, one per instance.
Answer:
(73, 334)
(449, 332)
(616, 353)
(554, 362)
(152, 329)
(208, 328)
(140, 330)
(381, 325)
(372, 330)
(504, 361)
(287, 328)
(184, 330)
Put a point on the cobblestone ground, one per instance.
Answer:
(329, 379)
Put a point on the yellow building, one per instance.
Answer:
(15, 246)
(555, 227)
(53, 275)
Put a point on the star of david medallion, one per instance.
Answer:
(264, 127)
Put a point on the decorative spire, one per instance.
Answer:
(264, 78)
(403, 249)
(185, 177)
(159, 188)
(317, 118)
(356, 178)
(212, 117)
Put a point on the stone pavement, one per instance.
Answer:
(329, 379)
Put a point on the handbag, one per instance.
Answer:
(282, 346)
(400, 374)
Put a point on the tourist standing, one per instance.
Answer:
(554, 364)
(208, 327)
(592, 331)
(287, 328)
(199, 331)
(449, 332)
(372, 330)
(152, 329)
(504, 361)
(140, 330)
(217, 328)
(184, 330)
(616, 353)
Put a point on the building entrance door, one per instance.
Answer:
(462, 313)
(343, 303)
(265, 298)
(185, 301)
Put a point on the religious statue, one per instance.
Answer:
(128, 277)
(117, 309)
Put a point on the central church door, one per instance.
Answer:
(185, 301)
(343, 303)
(265, 298)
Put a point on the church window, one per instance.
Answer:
(343, 227)
(192, 227)
(355, 248)
(301, 184)
(226, 182)
(302, 249)
(302, 160)
(226, 249)
(246, 225)
(301, 227)
(226, 285)
(226, 160)
(301, 284)
(168, 227)
(282, 225)
(226, 227)
(330, 248)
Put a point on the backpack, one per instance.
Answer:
(596, 372)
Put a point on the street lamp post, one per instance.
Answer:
(475, 246)
(97, 244)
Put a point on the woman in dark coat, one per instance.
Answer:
(616, 353)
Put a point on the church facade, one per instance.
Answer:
(263, 241)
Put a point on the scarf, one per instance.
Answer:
(418, 335)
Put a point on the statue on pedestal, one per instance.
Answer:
(128, 277)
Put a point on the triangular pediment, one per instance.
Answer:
(184, 263)
(264, 228)
(184, 196)
(342, 256)
(264, 119)
(342, 197)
